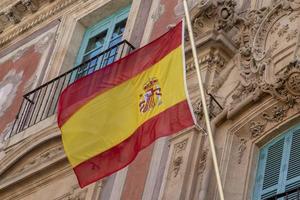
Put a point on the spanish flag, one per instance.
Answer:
(107, 117)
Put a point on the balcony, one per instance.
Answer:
(41, 103)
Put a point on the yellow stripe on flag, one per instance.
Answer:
(117, 110)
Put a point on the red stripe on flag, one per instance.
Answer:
(168, 122)
(86, 88)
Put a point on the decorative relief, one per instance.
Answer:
(256, 128)
(37, 161)
(181, 146)
(291, 35)
(202, 162)
(8, 89)
(241, 149)
(176, 165)
(177, 161)
(42, 158)
(198, 110)
(275, 28)
(278, 114)
(31, 5)
(286, 91)
(283, 30)
(212, 107)
(11, 16)
(75, 194)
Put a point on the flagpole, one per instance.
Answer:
(203, 100)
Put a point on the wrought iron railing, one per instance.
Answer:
(41, 103)
(293, 194)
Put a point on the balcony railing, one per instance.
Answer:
(293, 194)
(41, 103)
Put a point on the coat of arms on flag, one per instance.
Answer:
(151, 96)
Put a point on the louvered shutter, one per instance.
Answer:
(269, 170)
(293, 173)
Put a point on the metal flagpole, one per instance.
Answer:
(203, 100)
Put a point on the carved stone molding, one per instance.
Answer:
(36, 9)
(202, 162)
(177, 160)
(212, 107)
(256, 128)
(32, 5)
(241, 149)
(286, 89)
(75, 194)
(36, 161)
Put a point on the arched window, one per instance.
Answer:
(279, 166)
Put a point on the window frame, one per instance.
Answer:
(284, 166)
(107, 23)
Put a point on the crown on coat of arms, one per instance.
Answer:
(150, 84)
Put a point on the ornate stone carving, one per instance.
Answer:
(220, 80)
(176, 165)
(42, 158)
(227, 15)
(241, 149)
(284, 29)
(32, 5)
(212, 107)
(277, 115)
(75, 194)
(198, 110)
(279, 10)
(286, 91)
(202, 162)
(256, 128)
(292, 35)
(181, 146)
(177, 160)
(286, 88)
(12, 15)
(27, 24)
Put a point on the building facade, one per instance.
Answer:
(249, 54)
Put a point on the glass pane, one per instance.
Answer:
(117, 33)
(96, 41)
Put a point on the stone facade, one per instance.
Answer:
(249, 54)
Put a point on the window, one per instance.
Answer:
(279, 166)
(102, 36)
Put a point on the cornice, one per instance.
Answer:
(17, 17)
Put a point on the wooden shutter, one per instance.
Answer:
(279, 166)
(293, 172)
(269, 169)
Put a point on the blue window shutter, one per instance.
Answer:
(105, 28)
(279, 166)
(272, 169)
(293, 173)
(270, 166)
